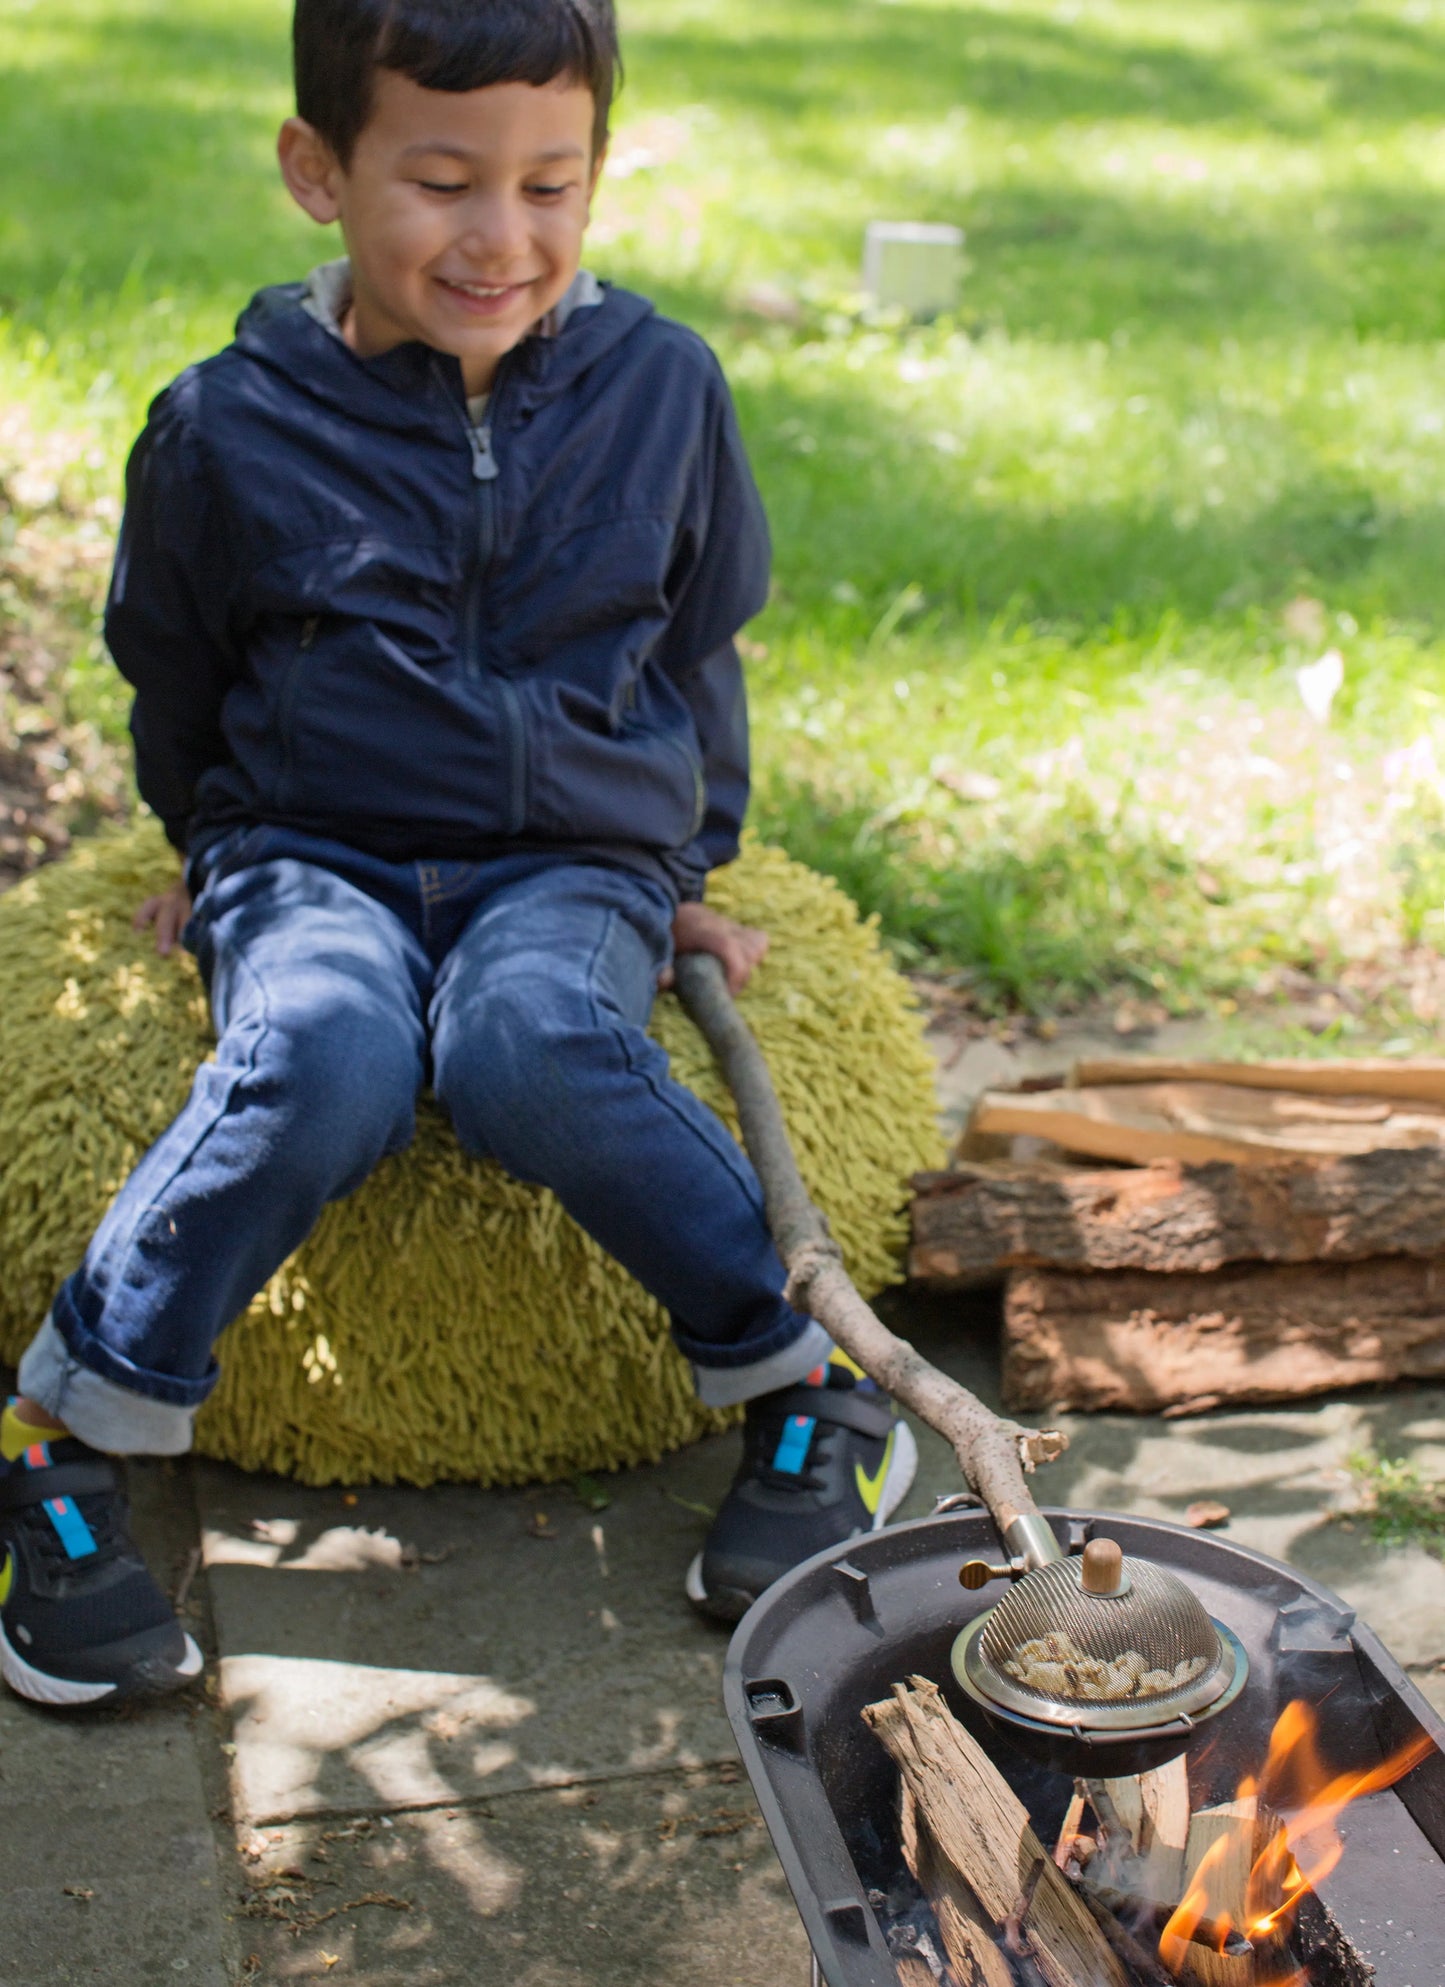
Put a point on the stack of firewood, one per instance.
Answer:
(1178, 1235)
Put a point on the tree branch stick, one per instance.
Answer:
(992, 1453)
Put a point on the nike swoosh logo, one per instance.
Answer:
(7, 1575)
(870, 1488)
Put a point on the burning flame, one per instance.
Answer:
(1304, 1800)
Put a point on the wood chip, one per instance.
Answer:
(1205, 1514)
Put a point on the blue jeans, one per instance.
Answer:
(339, 983)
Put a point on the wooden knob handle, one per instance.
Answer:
(1102, 1571)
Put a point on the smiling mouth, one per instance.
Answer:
(484, 297)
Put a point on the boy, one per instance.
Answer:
(427, 588)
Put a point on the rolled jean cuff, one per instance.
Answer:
(725, 1386)
(97, 1410)
(96, 1356)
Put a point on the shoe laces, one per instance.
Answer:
(103, 1513)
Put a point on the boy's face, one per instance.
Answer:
(463, 212)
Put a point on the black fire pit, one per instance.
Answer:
(840, 1630)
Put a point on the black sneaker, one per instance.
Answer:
(81, 1619)
(822, 1462)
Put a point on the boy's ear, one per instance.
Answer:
(310, 169)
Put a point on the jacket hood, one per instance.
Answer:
(399, 390)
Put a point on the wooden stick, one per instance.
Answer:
(1123, 1943)
(976, 1851)
(1073, 1820)
(1016, 1938)
(992, 1453)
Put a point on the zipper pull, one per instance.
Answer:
(484, 463)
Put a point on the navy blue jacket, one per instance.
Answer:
(343, 614)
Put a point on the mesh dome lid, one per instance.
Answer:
(1141, 1655)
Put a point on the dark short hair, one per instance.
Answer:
(338, 45)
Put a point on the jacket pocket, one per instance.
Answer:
(692, 765)
(636, 784)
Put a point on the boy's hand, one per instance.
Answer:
(740, 947)
(168, 913)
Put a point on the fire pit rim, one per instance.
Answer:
(773, 1739)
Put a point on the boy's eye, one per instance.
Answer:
(444, 186)
(547, 192)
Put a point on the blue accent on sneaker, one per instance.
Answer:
(791, 1453)
(37, 1456)
(75, 1535)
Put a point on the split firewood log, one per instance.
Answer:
(1257, 1332)
(1223, 1845)
(969, 1841)
(1421, 1080)
(978, 1221)
(1197, 1121)
(1155, 1808)
(914, 1972)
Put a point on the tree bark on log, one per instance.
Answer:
(992, 1453)
(974, 1852)
(1172, 1217)
(1255, 1333)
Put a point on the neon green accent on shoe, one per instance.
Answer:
(870, 1488)
(16, 1436)
(6, 1578)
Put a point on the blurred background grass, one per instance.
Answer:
(1046, 571)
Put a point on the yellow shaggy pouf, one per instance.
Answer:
(444, 1321)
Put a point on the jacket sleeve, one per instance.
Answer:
(719, 582)
(166, 617)
(718, 700)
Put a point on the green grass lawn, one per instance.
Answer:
(1045, 572)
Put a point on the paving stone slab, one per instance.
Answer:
(650, 1882)
(414, 1647)
(108, 1859)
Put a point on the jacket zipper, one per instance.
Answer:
(485, 472)
(286, 707)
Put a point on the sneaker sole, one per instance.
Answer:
(728, 1604)
(147, 1681)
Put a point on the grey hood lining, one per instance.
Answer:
(327, 298)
